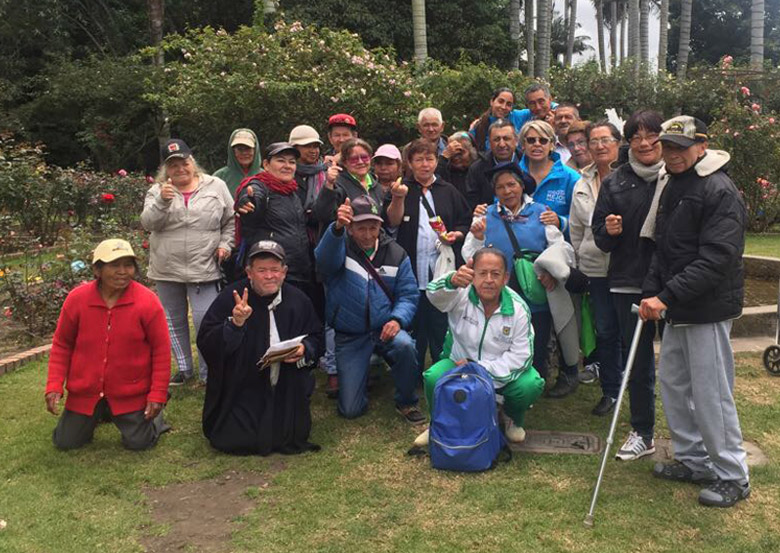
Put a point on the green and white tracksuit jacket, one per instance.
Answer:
(502, 343)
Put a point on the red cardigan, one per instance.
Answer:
(122, 353)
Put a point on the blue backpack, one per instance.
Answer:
(464, 432)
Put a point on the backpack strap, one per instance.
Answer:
(366, 262)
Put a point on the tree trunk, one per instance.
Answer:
(514, 31)
(529, 36)
(156, 20)
(419, 31)
(613, 33)
(684, 48)
(633, 29)
(572, 32)
(543, 21)
(600, 33)
(623, 20)
(757, 35)
(663, 35)
(644, 30)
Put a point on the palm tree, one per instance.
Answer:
(560, 39)
(623, 22)
(663, 35)
(599, 4)
(684, 48)
(613, 33)
(418, 29)
(633, 29)
(514, 31)
(543, 28)
(529, 36)
(572, 28)
(757, 35)
(644, 30)
(156, 20)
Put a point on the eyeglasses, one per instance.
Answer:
(534, 139)
(359, 158)
(578, 144)
(650, 138)
(604, 141)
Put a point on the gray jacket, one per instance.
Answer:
(590, 259)
(184, 239)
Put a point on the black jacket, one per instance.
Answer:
(448, 203)
(329, 200)
(626, 194)
(697, 267)
(456, 177)
(479, 189)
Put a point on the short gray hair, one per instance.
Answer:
(429, 112)
(536, 87)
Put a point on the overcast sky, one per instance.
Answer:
(586, 16)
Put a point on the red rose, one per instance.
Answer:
(107, 198)
(145, 244)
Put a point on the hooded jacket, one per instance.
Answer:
(697, 267)
(185, 238)
(556, 189)
(233, 173)
(590, 259)
(356, 304)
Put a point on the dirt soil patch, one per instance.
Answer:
(200, 516)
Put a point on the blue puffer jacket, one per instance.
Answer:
(356, 304)
(556, 190)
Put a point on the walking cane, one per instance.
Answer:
(610, 438)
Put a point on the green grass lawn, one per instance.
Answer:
(363, 493)
(767, 245)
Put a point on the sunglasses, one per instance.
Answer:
(359, 158)
(541, 140)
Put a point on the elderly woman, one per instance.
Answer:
(243, 159)
(623, 204)
(576, 141)
(455, 160)
(271, 209)
(190, 216)
(603, 141)
(111, 349)
(516, 210)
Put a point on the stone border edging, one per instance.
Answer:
(9, 364)
(762, 267)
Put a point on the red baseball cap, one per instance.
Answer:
(344, 119)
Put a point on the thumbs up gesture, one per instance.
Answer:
(344, 214)
(464, 276)
(167, 191)
(242, 310)
(332, 175)
(549, 217)
(399, 190)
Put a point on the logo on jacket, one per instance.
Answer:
(506, 330)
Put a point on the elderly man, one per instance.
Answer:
(431, 125)
(503, 148)
(539, 101)
(371, 298)
(341, 127)
(490, 324)
(696, 278)
(251, 408)
(564, 115)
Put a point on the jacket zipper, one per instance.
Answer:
(482, 339)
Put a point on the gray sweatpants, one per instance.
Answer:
(696, 374)
(174, 296)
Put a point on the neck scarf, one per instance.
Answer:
(276, 185)
(647, 173)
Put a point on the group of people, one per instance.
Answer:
(481, 246)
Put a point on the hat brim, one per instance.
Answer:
(280, 151)
(683, 141)
(178, 155)
(306, 141)
(110, 258)
(251, 256)
(367, 217)
(376, 156)
(243, 142)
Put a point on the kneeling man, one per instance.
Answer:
(490, 324)
(249, 410)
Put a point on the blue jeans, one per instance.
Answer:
(609, 351)
(353, 352)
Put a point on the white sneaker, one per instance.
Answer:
(589, 374)
(514, 433)
(422, 439)
(635, 447)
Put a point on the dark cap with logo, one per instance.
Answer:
(268, 247)
(365, 209)
(175, 148)
(684, 131)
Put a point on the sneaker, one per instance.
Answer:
(179, 378)
(635, 447)
(332, 386)
(564, 386)
(589, 374)
(680, 472)
(514, 433)
(422, 439)
(412, 414)
(604, 406)
(724, 493)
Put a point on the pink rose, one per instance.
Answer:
(745, 91)
(122, 173)
(771, 120)
(149, 179)
(755, 107)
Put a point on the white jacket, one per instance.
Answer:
(184, 239)
(590, 259)
(502, 344)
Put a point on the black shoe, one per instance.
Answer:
(412, 414)
(179, 378)
(564, 386)
(604, 406)
(724, 493)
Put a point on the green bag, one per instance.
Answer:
(587, 327)
(532, 289)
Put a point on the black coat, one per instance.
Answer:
(329, 200)
(242, 412)
(697, 267)
(624, 193)
(479, 188)
(456, 177)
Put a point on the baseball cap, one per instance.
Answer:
(303, 135)
(244, 138)
(277, 148)
(111, 250)
(344, 119)
(389, 151)
(364, 209)
(175, 148)
(266, 246)
(684, 131)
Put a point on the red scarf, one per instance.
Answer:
(274, 184)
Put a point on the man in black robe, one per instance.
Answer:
(249, 410)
